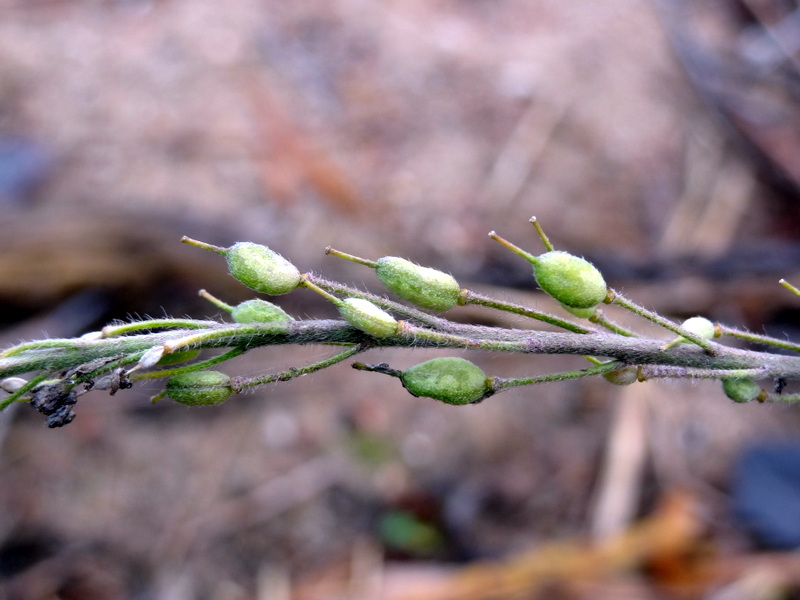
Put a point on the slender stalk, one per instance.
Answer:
(470, 297)
(756, 338)
(499, 383)
(197, 366)
(117, 330)
(615, 297)
(599, 318)
(548, 246)
(243, 383)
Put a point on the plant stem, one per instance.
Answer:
(198, 366)
(243, 383)
(470, 297)
(599, 318)
(757, 339)
(499, 383)
(117, 330)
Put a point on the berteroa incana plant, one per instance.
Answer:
(51, 374)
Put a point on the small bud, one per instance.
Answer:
(199, 388)
(423, 286)
(150, 358)
(250, 311)
(12, 384)
(364, 315)
(256, 266)
(700, 326)
(451, 380)
(742, 390)
(259, 311)
(622, 376)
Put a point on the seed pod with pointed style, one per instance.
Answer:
(200, 388)
(741, 390)
(452, 380)
(573, 282)
(423, 286)
(256, 266)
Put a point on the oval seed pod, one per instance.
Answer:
(452, 380)
(741, 390)
(364, 315)
(173, 358)
(259, 311)
(622, 376)
(423, 286)
(569, 279)
(700, 326)
(199, 388)
(261, 269)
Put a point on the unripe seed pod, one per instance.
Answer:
(569, 279)
(583, 313)
(451, 380)
(200, 388)
(364, 315)
(259, 311)
(173, 358)
(741, 390)
(262, 269)
(423, 286)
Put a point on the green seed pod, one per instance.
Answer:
(571, 280)
(423, 286)
(451, 380)
(741, 390)
(174, 358)
(583, 313)
(364, 315)
(262, 269)
(200, 388)
(259, 311)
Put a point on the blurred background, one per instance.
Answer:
(659, 139)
